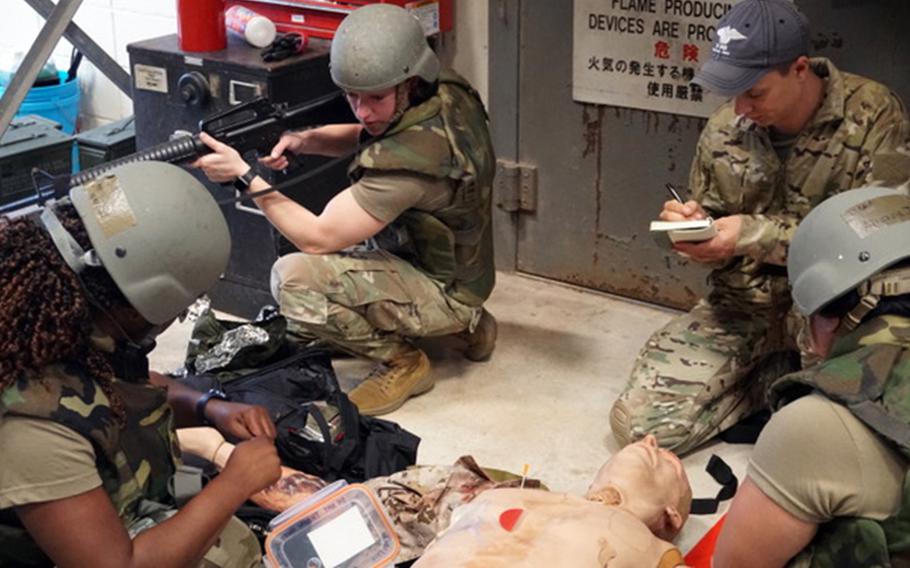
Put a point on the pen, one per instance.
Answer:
(672, 189)
(674, 193)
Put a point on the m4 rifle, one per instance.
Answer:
(254, 125)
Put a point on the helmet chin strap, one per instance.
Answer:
(71, 251)
(402, 101)
(887, 283)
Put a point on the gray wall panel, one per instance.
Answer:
(601, 170)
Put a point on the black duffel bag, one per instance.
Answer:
(319, 429)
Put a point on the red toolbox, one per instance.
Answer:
(320, 18)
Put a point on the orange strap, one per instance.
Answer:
(701, 553)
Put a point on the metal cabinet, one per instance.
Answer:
(174, 90)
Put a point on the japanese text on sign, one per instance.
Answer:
(644, 53)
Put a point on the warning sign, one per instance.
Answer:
(644, 53)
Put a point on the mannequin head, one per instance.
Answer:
(649, 482)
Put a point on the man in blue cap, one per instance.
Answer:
(795, 131)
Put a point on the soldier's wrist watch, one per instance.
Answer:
(203, 401)
(243, 181)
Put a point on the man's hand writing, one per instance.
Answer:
(689, 211)
(717, 249)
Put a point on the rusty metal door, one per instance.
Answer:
(600, 170)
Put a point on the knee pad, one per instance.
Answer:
(295, 269)
(621, 423)
(630, 426)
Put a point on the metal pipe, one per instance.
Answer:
(35, 59)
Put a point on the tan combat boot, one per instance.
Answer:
(390, 384)
(482, 340)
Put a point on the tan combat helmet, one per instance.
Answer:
(848, 242)
(379, 46)
(155, 229)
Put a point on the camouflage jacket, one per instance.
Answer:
(446, 137)
(892, 168)
(736, 170)
(869, 372)
(135, 462)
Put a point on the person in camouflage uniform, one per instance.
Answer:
(828, 484)
(89, 447)
(421, 193)
(797, 131)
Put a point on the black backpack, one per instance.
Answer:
(320, 431)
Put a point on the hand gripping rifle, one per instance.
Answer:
(255, 125)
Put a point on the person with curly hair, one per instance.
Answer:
(87, 433)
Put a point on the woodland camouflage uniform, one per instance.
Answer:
(135, 462)
(369, 302)
(868, 371)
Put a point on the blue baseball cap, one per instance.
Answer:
(752, 38)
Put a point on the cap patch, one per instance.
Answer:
(725, 35)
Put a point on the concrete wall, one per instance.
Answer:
(469, 44)
(115, 23)
(112, 24)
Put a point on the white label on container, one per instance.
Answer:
(189, 60)
(298, 18)
(341, 538)
(150, 78)
(428, 14)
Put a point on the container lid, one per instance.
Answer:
(109, 134)
(31, 137)
(31, 120)
(341, 526)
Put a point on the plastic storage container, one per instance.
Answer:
(341, 526)
(59, 103)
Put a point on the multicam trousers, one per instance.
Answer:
(702, 373)
(369, 303)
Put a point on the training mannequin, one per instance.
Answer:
(637, 503)
(293, 487)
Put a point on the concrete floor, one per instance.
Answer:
(543, 399)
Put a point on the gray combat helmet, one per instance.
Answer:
(155, 229)
(379, 46)
(844, 242)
